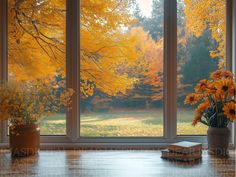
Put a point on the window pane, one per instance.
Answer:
(121, 71)
(201, 50)
(36, 47)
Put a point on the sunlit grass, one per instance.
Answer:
(122, 123)
(126, 123)
(53, 125)
(184, 125)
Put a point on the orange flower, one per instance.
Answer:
(216, 75)
(202, 86)
(232, 90)
(223, 86)
(219, 74)
(226, 74)
(218, 97)
(191, 99)
(211, 89)
(196, 119)
(198, 112)
(200, 109)
(230, 110)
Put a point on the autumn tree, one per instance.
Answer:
(106, 44)
(36, 38)
(148, 68)
(208, 15)
(37, 42)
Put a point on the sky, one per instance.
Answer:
(145, 7)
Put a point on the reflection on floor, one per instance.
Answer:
(107, 163)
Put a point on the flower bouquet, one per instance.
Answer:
(25, 103)
(216, 108)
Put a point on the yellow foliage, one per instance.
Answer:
(151, 62)
(106, 45)
(37, 42)
(208, 14)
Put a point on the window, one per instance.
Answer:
(121, 68)
(37, 48)
(201, 50)
(130, 63)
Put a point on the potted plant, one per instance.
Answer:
(216, 108)
(24, 104)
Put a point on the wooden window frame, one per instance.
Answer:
(72, 138)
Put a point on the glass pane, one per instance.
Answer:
(121, 71)
(201, 50)
(36, 48)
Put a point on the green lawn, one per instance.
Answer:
(127, 123)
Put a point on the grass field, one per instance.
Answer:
(128, 123)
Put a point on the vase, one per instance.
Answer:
(24, 140)
(218, 141)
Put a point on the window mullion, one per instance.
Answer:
(3, 58)
(229, 40)
(73, 67)
(170, 50)
(229, 23)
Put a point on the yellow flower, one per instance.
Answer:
(202, 86)
(191, 99)
(219, 74)
(229, 110)
(224, 85)
(56, 86)
(24, 102)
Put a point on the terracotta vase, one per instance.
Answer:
(24, 140)
(218, 141)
